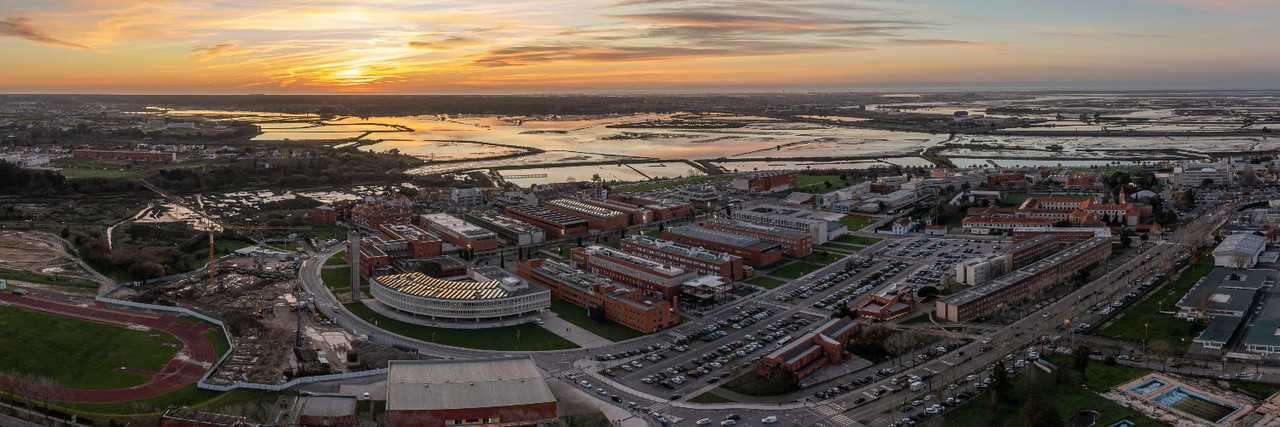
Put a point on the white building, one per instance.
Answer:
(821, 226)
(980, 270)
(1239, 251)
(466, 196)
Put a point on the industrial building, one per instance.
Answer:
(822, 227)
(1225, 296)
(663, 208)
(795, 243)
(597, 218)
(555, 224)
(505, 391)
(801, 357)
(754, 251)
(603, 299)
(632, 270)
(1022, 283)
(462, 234)
(493, 295)
(514, 231)
(636, 214)
(701, 260)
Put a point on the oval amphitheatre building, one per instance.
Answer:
(493, 295)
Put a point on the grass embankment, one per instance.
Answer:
(858, 240)
(80, 354)
(524, 337)
(578, 316)
(765, 282)
(46, 279)
(1142, 321)
(752, 384)
(794, 270)
(338, 280)
(710, 397)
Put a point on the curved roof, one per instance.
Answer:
(418, 284)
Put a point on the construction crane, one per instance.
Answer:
(212, 227)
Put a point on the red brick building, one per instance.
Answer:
(765, 182)
(603, 299)
(465, 235)
(140, 156)
(663, 209)
(636, 214)
(755, 252)
(396, 242)
(1030, 250)
(556, 225)
(597, 218)
(507, 391)
(888, 303)
(701, 260)
(373, 213)
(795, 243)
(334, 212)
(632, 270)
(799, 358)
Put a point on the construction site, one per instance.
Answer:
(276, 334)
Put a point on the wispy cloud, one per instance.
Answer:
(445, 44)
(22, 28)
(205, 53)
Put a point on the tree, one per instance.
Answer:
(1248, 177)
(1039, 412)
(1125, 240)
(1001, 389)
(1207, 182)
(1160, 350)
(1080, 358)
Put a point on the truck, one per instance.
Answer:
(917, 386)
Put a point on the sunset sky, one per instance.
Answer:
(526, 46)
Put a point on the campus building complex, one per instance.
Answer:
(663, 209)
(694, 258)
(395, 242)
(1024, 282)
(801, 357)
(636, 214)
(460, 233)
(494, 294)
(821, 227)
(514, 231)
(765, 182)
(795, 243)
(1077, 211)
(555, 224)
(755, 252)
(603, 299)
(632, 270)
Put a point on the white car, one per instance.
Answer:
(769, 419)
(728, 423)
(703, 422)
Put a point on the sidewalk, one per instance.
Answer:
(572, 332)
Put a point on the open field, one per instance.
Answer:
(38, 258)
(752, 384)
(638, 188)
(1141, 321)
(858, 240)
(79, 354)
(338, 280)
(525, 337)
(578, 316)
(856, 224)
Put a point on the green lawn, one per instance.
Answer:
(524, 337)
(822, 257)
(338, 280)
(839, 247)
(922, 319)
(337, 259)
(578, 316)
(752, 384)
(858, 240)
(594, 419)
(1066, 398)
(1257, 390)
(710, 397)
(79, 354)
(26, 276)
(794, 270)
(765, 282)
(816, 183)
(1161, 327)
(856, 224)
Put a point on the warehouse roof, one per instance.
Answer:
(459, 384)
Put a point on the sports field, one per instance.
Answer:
(79, 354)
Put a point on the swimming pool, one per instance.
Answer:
(1148, 386)
(1190, 403)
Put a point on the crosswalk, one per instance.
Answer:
(660, 407)
(834, 415)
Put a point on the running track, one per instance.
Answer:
(191, 362)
